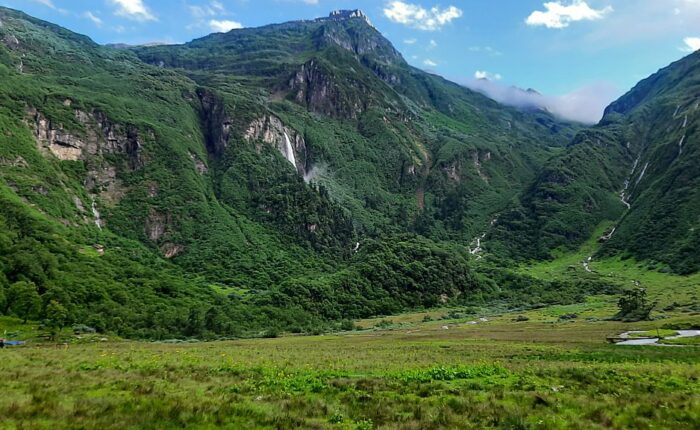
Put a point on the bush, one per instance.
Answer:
(271, 333)
(347, 325)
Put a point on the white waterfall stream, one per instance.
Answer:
(623, 193)
(96, 214)
(289, 151)
(641, 175)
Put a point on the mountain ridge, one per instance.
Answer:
(302, 176)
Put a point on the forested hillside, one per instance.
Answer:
(637, 169)
(294, 176)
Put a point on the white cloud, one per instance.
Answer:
(212, 9)
(411, 41)
(50, 5)
(692, 44)
(224, 26)
(432, 44)
(91, 16)
(416, 16)
(218, 6)
(483, 74)
(585, 104)
(430, 63)
(134, 10)
(47, 3)
(558, 15)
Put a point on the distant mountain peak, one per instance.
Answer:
(341, 15)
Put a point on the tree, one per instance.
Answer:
(213, 320)
(3, 299)
(194, 323)
(24, 300)
(56, 317)
(634, 305)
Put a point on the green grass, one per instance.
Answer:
(686, 341)
(498, 374)
(672, 293)
(661, 333)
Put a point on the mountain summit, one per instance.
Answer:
(338, 15)
(303, 168)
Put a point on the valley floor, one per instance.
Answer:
(541, 373)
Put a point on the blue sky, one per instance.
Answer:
(592, 49)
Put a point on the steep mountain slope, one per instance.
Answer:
(663, 116)
(637, 169)
(399, 147)
(239, 191)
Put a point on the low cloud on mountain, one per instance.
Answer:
(585, 105)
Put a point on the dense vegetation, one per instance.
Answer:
(646, 147)
(285, 178)
(545, 373)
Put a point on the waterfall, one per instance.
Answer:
(644, 170)
(96, 214)
(289, 151)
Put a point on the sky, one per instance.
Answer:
(580, 54)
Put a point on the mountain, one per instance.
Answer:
(285, 177)
(637, 170)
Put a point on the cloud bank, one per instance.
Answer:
(584, 105)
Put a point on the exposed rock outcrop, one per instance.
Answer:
(477, 159)
(216, 125)
(10, 40)
(171, 250)
(100, 136)
(199, 165)
(269, 129)
(155, 225)
(314, 86)
(360, 41)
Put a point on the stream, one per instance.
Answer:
(655, 340)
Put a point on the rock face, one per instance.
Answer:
(11, 41)
(215, 122)
(359, 39)
(341, 15)
(314, 86)
(100, 137)
(269, 129)
(155, 227)
(199, 165)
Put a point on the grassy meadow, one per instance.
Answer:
(457, 367)
(540, 374)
